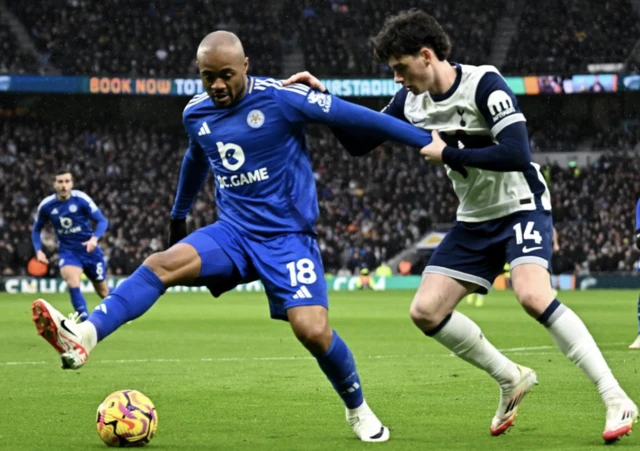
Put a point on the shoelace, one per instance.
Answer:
(74, 317)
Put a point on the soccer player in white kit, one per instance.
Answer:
(479, 134)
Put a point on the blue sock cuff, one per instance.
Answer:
(552, 313)
(74, 290)
(148, 275)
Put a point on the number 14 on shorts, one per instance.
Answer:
(529, 233)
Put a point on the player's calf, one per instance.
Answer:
(311, 326)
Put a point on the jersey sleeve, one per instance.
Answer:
(497, 103)
(193, 174)
(88, 204)
(41, 218)
(638, 215)
(300, 106)
(395, 108)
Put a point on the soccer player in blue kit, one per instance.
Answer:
(71, 212)
(250, 131)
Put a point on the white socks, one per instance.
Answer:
(89, 335)
(574, 340)
(464, 338)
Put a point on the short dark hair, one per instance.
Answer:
(407, 32)
(63, 171)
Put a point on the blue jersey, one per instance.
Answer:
(262, 168)
(71, 220)
(638, 215)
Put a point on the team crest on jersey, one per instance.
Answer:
(322, 100)
(255, 119)
(73, 208)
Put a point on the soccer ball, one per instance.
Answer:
(126, 418)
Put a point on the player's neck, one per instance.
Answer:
(444, 77)
(63, 198)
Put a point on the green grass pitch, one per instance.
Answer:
(223, 376)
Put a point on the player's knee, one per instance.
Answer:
(425, 314)
(533, 300)
(103, 291)
(159, 264)
(316, 337)
(72, 280)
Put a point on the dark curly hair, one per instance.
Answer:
(407, 32)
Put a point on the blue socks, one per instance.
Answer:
(340, 368)
(78, 301)
(131, 299)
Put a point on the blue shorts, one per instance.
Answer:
(92, 264)
(477, 252)
(289, 266)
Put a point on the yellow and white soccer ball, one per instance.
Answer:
(126, 418)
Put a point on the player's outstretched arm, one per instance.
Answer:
(193, 174)
(36, 240)
(326, 109)
(356, 143)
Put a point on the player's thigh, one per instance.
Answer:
(471, 254)
(437, 296)
(71, 271)
(529, 253)
(290, 267)
(222, 264)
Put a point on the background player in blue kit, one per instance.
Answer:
(636, 343)
(71, 213)
(250, 131)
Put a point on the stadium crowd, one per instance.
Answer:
(370, 208)
(564, 36)
(144, 38)
(158, 38)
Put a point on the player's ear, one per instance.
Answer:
(426, 55)
(246, 64)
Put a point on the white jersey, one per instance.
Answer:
(471, 115)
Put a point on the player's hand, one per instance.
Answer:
(433, 152)
(306, 79)
(638, 238)
(42, 258)
(177, 230)
(91, 244)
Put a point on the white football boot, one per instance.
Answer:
(365, 424)
(620, 419)
(635, 344)
(61, 333)
(510, 399)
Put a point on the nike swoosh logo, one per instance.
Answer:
(526, 250)
(64, 326)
